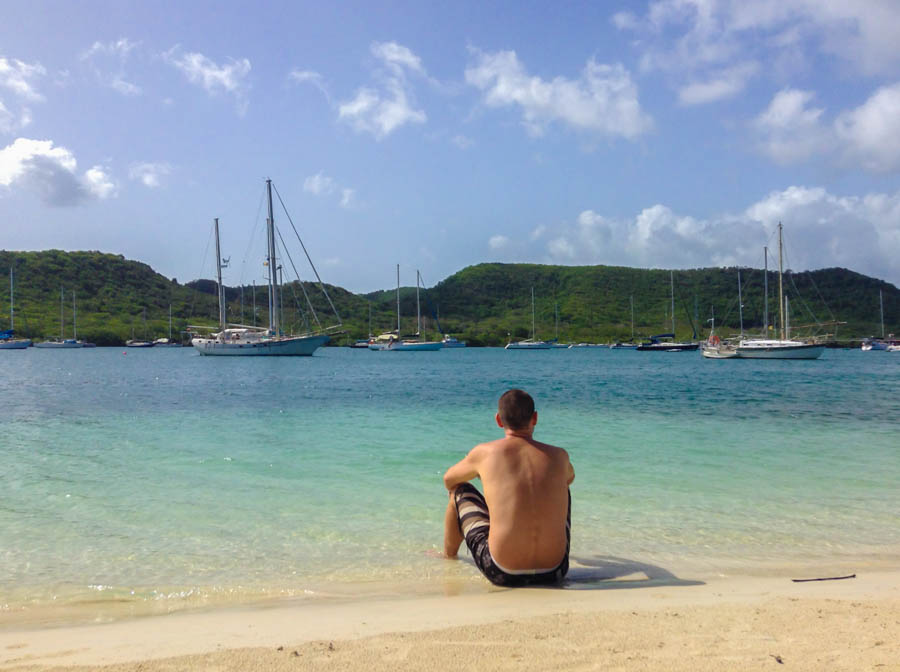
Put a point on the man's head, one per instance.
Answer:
(515, 410)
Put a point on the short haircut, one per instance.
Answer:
(516, 407)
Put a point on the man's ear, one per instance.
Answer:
(534, 419)
(499, 420)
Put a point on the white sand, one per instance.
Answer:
(741, 624)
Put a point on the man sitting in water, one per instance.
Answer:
(518, 531)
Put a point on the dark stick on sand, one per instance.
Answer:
(826, 578)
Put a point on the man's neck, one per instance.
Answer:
(519, 433)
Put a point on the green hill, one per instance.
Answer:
(484, 304)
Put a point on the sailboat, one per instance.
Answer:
(630, 345)
(783, 347)
(139, 342)
(66, 343)
(7, 339)
(655, 344)
(530, 343)
(870, 344)
(714, 348)
(242, 340)
(167, 342)
(412, 344)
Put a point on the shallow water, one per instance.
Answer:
(159, 477)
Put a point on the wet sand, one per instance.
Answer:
(630, 622)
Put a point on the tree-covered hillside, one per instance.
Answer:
(485, 304)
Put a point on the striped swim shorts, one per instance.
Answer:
(475, 523)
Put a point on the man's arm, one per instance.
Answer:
(463, 471)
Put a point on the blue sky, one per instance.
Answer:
(668, 134)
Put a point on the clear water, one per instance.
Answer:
(162, 477)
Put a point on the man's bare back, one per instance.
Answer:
(526, 493)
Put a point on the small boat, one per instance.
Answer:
(241, 340)
(623, 346)
(783, 347)
(66, 343)
(654, 344)
(8, 341)
(530, 343)
(167, 342)
(450, 342)
(138, 343)
(361, 343)
(415, 342)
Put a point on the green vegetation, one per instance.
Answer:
(484, 304)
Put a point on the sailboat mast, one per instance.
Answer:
(220, 291)
(398, 300)
(274, 317)
(766, 293)
(170, 321)
(418, 312)
(61, 299)
(631, 301)
(532, 315)
(880, 306)
(12, 324)
(740, 304)
(672, 284)
(780, 284)
(74, 318)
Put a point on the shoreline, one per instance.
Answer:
(737, 616)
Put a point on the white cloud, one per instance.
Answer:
(19, 77)
(721, 85)
(214, 78)
(10, 123)
(380, 111)
(348, 198)
(149, 174)
(99, 183)
(318, 184)
(498, 242)
(107, 59)
(691, 40)
(50, 172)
(121, 48)
(603, 100)
(397, 57)
(310, 77)
(821, 230)
(790, 129)
(871, 132)
(867, 136)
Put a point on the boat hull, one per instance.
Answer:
(720, 353)
(303, 346)
(800, 351)
(16, 344)
(529, 345)
(60, 345)
(415, 347)
(668, 347)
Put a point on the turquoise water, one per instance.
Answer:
(159, 476)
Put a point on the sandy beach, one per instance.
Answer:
(627, 623)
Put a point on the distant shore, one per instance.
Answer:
(628, 623)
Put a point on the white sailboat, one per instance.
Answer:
(167, 342)
(242, 340)
(715, 348)
(783, 347)
(7, 339)
(66, 343)
(410, 344)
(530, 343)
(876, 344)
